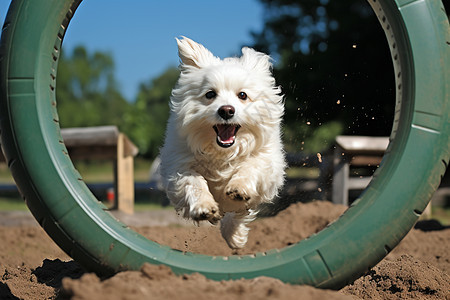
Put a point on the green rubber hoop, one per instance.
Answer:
(418, 34)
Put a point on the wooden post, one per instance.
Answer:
(124, 176)
(354, 151)
(340, 177)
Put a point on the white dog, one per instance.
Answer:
(223, 155)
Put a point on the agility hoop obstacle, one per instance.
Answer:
(418, 154)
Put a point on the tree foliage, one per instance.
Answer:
(86, 91)
(334, 64)
(146, 121)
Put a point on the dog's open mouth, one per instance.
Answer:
(226, 134)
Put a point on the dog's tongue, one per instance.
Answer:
(226, 133)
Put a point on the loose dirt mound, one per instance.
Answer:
(290, 226)
(33, 267)
(158, 282)
(404, 278)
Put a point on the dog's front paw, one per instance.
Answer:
(236, 194)
(205, 211)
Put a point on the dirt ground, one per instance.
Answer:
(33, 267)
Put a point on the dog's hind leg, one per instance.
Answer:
(233, 227)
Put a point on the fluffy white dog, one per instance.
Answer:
(223, 155)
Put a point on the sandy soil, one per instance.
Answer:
(33, 267)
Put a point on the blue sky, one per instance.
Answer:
(141, 36)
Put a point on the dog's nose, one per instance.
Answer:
(226, 112)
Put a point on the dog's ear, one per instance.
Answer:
(193, 54)
(255, 60)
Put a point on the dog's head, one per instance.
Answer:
(230, 105)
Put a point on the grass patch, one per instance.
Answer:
(93, 171)
(300, 172)
(139, 207)
(9, 204)
(442, 214)
(103, 171)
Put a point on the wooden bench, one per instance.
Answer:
(354, 152)
(106, 143)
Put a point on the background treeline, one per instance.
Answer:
(331, 58)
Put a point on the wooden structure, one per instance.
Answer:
(354, 152)
(106, 143)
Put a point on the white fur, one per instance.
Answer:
(204, 180)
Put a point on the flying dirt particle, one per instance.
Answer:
(319, 157)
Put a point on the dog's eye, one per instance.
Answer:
(210, 95)
(242, 96)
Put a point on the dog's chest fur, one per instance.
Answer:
(217, 169)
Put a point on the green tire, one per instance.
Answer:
(419, 38)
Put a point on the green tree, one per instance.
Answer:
(146, 121)
(86, 91)
(334, 65)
